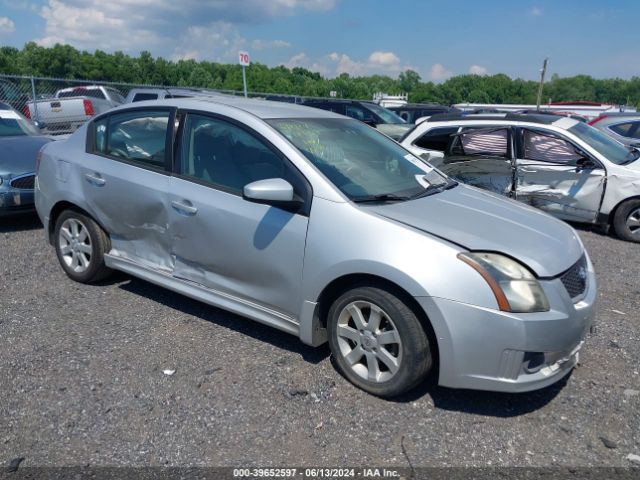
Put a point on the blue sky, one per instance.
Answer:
(435, 38)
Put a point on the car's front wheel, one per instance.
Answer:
(626, 221)
(378, 342)
(80, 245)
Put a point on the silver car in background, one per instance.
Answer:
(320, 226)
(623, 127)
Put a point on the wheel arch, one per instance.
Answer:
(350, 281)
(57, 210)
(614, 210)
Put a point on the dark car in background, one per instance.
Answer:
(368, 112)
(20, 142)
(411, 112)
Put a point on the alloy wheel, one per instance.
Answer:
(74, 243)
(369, 341)
(633, 222)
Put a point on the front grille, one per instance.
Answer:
(24, 183)
(575, 279)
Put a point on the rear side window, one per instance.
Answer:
(482, 142)
(436, 139)
(138, 136)
(140, 97)
(548, 148)
(82, 92)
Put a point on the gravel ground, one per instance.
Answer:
(82, 383)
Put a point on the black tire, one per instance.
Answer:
(99, 244)
(414, 352)
(622, 215)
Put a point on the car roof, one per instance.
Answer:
(541, 118)
(5, 106)
(420, 105)
(264, 109)
(335, 100)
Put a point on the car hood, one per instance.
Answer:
(18, 154)
(394, 130)
(479, 220)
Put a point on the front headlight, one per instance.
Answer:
(515, 287)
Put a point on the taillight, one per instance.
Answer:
(88, 107)
(597, 119)
(26, 112)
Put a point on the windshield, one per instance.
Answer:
(364, 164)
(387, 115)
(613, 151)
(12, 124)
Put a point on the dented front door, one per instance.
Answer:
(555, 176)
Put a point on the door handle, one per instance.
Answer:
(95, 179)
(184, 208)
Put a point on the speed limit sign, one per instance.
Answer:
(243, 58)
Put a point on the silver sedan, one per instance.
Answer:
(322, 227)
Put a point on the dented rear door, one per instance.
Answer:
(125, 181)
(554, 175)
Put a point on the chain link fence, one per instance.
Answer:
(60, 106)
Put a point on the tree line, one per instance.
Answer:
(65, 61)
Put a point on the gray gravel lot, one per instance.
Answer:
(82, 383)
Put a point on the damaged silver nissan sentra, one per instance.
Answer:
(558, 164)
(322, 227)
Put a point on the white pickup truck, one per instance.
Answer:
(72, 107)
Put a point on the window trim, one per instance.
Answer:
(182, 114)
(90, 143)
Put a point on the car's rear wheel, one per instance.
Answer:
(80, 245)
(626, 221)
(378, 342)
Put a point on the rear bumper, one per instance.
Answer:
(485, 349)
(14, 201)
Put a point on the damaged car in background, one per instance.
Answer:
(557, 164)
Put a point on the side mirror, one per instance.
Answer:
(38, 124)
(370, 121)
(585, 164)
(272, 191)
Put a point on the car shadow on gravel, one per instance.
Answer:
(18, 223)
(223, 318)
(477, 402)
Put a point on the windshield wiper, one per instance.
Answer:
(383, 197)
(431, 189)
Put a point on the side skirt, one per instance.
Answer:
(206, 295)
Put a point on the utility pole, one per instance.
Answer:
(542, 72)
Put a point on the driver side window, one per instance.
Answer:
(548, 148)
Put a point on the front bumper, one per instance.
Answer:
(14, 201)
(486, 349)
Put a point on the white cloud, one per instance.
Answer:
(166, 27)
(219, 41)
(478, 70)
(535, 12)
(299, 60)
(388, 59)
(439, 73)
(268, 44)
(6, 26)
